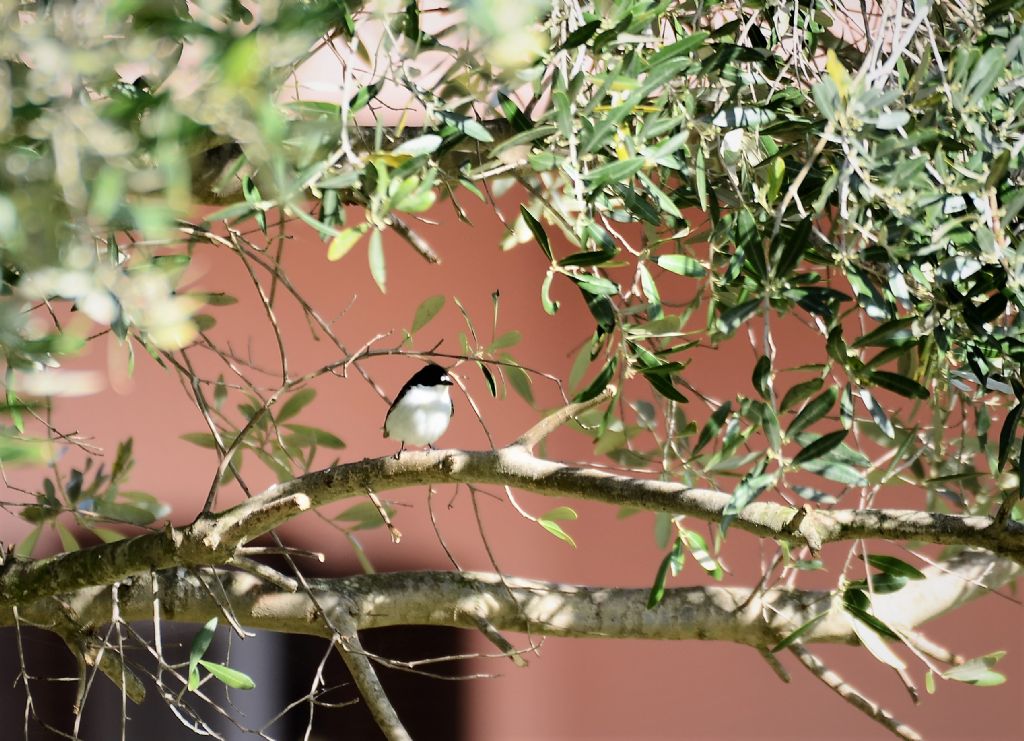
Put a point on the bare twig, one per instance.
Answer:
(366, 680)
(834, 682)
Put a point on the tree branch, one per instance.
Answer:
(366, 680)
(535, 606)
(836, 683)
(213, 539)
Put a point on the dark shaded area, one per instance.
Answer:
(283, 667)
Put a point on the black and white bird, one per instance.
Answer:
(421, 411)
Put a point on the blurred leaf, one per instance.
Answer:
(519, 380)
(365, 515)
(795, 635)
(376, 256)
(978, 671)
(468, 126)
(202, 439)
(67, 540)
(25, 548)
(304, 435)
(425, 312)
(345, 241)
(295, 404)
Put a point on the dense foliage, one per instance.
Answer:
(860, 175)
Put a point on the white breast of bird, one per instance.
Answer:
(421, 416)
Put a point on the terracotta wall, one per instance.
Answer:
(573, 688)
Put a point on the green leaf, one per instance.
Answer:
(893, 565)
(731, 319)
(295, 404)
(813, 411)
(700, 173)
(345, 241)
(419, 146)
(664, 386)
(468, 126)
(550, 305)
(673, 557)
(819, 447)
(538, 231)
(678, 48)
(560, 513)
(555, 529)
(599, 383)
(67, 538)
(492, 385)
(425, 312)
(866, 628)
(698, 548)
(365, 515)
(231, 677)
(376, 257)
(898, 384)
(978, 671)
(513, 114)
(749, 489)
(795, 635)
(799, 392)
(596, 285)
(615, 171)
(127, 513)
(1007, 433)
(793, 249)
(650, 289)
(878, 414)
(714, 424)
(202, 439)
(761, 377)
(252, 196)
(580, 35)
(303, 436)
(25, 548)
(200, 643)
(681, 265)
(520, 382)
(506, 340)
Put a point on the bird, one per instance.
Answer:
(420, 413)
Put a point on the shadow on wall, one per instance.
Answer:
(284, 668)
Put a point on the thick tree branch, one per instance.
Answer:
(370, 688)
(213, 539)
(461, 600)
(340, 608)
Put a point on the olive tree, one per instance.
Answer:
(853, 173)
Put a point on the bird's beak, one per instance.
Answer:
(446, 380)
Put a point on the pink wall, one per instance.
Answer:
(574, 688)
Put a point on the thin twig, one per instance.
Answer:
(836, 683)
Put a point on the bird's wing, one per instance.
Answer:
(403, 392)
